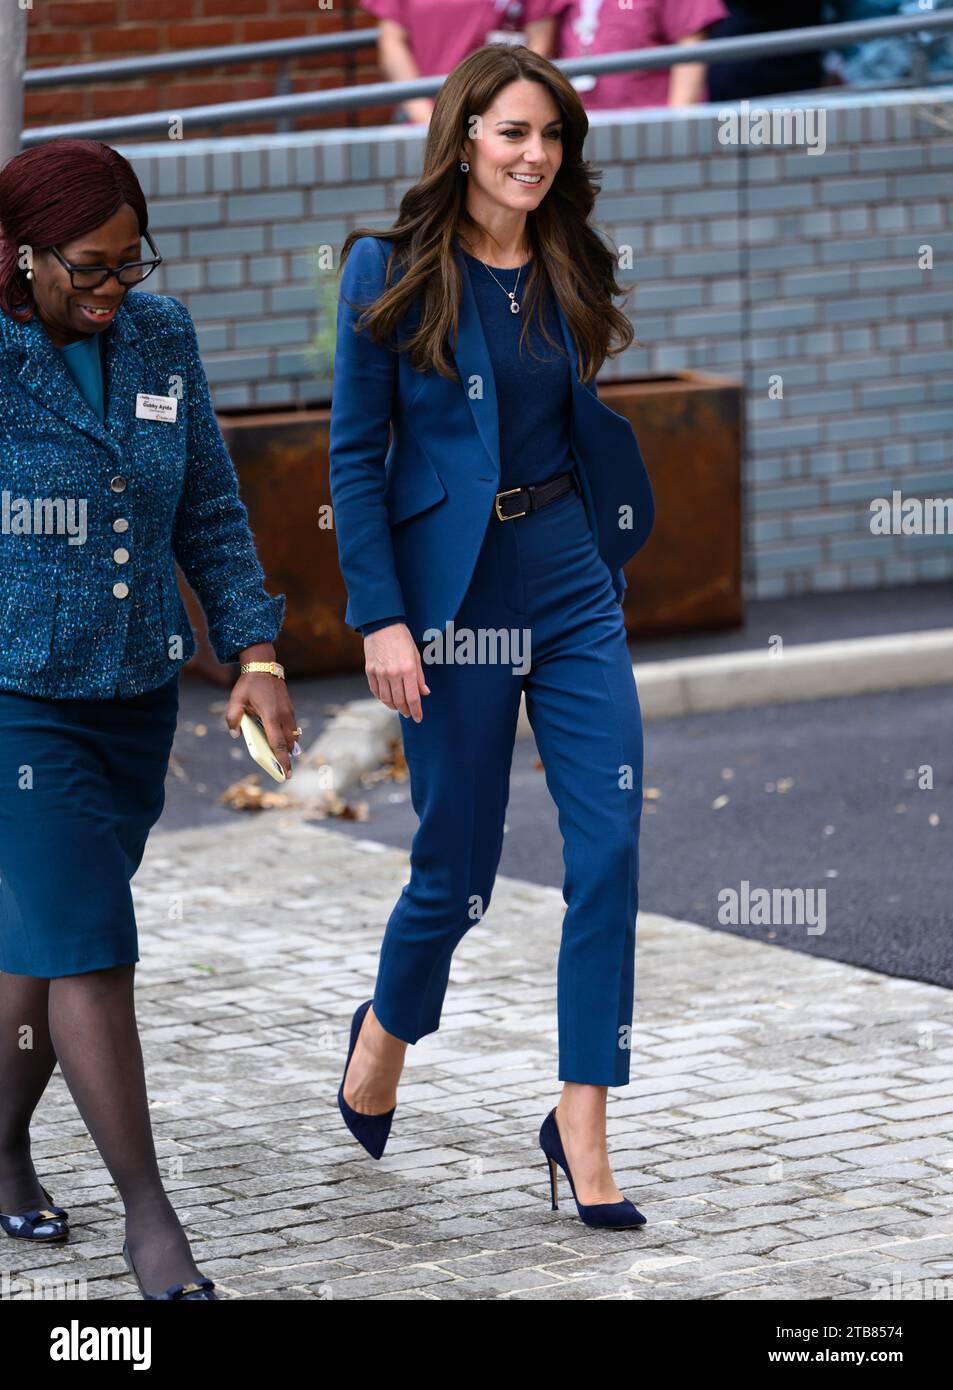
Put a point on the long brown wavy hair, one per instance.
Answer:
(566, 250)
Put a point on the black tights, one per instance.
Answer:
(87, 1023)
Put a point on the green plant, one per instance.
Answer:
(320, 352)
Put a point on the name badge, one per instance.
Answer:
(156, 408)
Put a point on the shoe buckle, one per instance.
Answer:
(508, 493)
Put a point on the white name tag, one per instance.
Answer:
(156, 408)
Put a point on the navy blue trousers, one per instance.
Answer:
(539, 577)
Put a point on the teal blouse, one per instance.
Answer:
(85, 364)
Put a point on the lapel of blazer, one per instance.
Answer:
(45, 376)
(472, 358)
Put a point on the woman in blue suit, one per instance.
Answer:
(482, 547)
(114, 467)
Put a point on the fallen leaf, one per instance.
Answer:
(247, 795)
(394, 770)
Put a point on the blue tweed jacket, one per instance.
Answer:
(93, 515)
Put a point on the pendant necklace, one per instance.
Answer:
(510, 294)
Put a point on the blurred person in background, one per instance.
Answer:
(418, 38)
(881, 62)
(587, 28)
(737, 78)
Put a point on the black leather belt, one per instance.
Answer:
(517, 501)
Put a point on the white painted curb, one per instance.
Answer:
(357, 740)
(809, 671)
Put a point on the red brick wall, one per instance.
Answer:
(85, 31)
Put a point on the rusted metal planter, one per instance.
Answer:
(687, 577)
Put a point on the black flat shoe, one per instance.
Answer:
(48, 1223)
(201, 1289)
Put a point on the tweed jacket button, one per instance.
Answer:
(120, 524)
(121, 555)
(120, 590)
(118, 484)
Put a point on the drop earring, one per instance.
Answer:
(464, 167)
(29, 275)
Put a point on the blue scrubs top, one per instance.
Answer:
(85, 364)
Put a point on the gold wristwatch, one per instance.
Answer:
(273, 668)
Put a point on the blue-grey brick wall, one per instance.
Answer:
(761, 263)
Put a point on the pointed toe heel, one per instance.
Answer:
(371, 1131)
(609, 1215)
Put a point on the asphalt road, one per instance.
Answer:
(812, 796)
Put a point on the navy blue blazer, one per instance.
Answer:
(411, 511)
(104, 617)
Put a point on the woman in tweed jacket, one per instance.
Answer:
(114, 468)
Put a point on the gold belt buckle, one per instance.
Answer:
(509, 492)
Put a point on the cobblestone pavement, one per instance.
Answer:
(788, 1131)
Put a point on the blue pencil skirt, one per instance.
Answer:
(540, 580)
(82, 782)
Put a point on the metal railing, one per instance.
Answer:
(227, 55)
(287, 105)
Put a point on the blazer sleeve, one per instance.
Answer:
(211, 537)
(368, 628)
(365, 380)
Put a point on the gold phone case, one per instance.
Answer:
(260, 748)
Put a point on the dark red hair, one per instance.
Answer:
(52, 193)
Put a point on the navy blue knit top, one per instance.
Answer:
(533, 383)
(534, 396)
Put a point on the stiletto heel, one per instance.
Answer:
(369, 1130)
(47, 1223)
(612, 1215)
(553, 1189)
(198, 1291)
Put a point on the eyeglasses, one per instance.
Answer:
(90, 277)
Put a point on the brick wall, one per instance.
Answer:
(87, 31)
(753, 263)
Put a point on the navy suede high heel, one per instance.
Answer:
(369, 1130)
(618, 1215)
(47, 1223)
